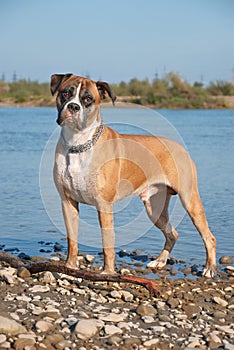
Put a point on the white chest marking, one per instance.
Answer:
(78, 171)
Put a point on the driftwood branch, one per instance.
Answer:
(35, 267)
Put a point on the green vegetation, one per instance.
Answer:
(174, 92)
(25, 92)
(171, 91)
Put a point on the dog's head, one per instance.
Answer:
(78, 99)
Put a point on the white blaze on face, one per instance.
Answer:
(76, 98)
(80, 113)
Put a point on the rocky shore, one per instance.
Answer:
(57, 311)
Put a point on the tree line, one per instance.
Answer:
(171, 91)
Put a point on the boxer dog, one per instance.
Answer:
(97, 166)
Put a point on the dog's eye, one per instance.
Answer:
(65, 94)
(88, 99)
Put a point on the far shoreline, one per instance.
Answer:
(218, 103)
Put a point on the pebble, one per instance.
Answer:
(157, 329)
(112, 317)
(187, 270)
(85, 329)
(226, 329)
(164, 318)
(39, 289)
(114, 340)
(58, 247)
(146, 309)
(220, 301)
(23, 297)
(111, 329)
(148, 319)
(90, 258)
(43, 326)
(65, 313)
(115, 294)
(23, 272)
(151, 342)
(173, 303)
(6, 345)
(11, 326)
(63, 344)
(194, 344)
(47, 277)
(127, 296)
(230, 268)
(132, 343)
(71, 320)
(7, 275)
(219, 314)
(214, 341)
(228, 346)
(2, 338)
(23, 343)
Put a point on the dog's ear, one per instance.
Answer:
(103, 88)
(56, 80)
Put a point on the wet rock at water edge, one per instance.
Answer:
(58, 247)
(23, 272)
(11, 250)
(90, 258)
(24, 256)
(225, 260)
(187, 270)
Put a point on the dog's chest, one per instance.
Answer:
(78, 178)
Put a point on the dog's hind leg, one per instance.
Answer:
(194, 207)
(157, 210)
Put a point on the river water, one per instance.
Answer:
(30, 208)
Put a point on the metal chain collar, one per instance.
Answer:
(88, 144)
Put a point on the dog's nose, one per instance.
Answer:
(73, 107)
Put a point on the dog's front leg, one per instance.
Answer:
(108, 240)
(71, 218)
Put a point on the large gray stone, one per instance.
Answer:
(10, 326)
(86, 329)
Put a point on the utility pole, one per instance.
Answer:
(14, 78)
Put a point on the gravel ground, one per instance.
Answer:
(56, 311)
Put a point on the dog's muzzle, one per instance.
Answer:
(72, 108)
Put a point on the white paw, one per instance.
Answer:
(72, 266)
(156, 264)
(108, 272)
(209, 272)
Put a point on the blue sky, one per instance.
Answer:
(117, 40)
